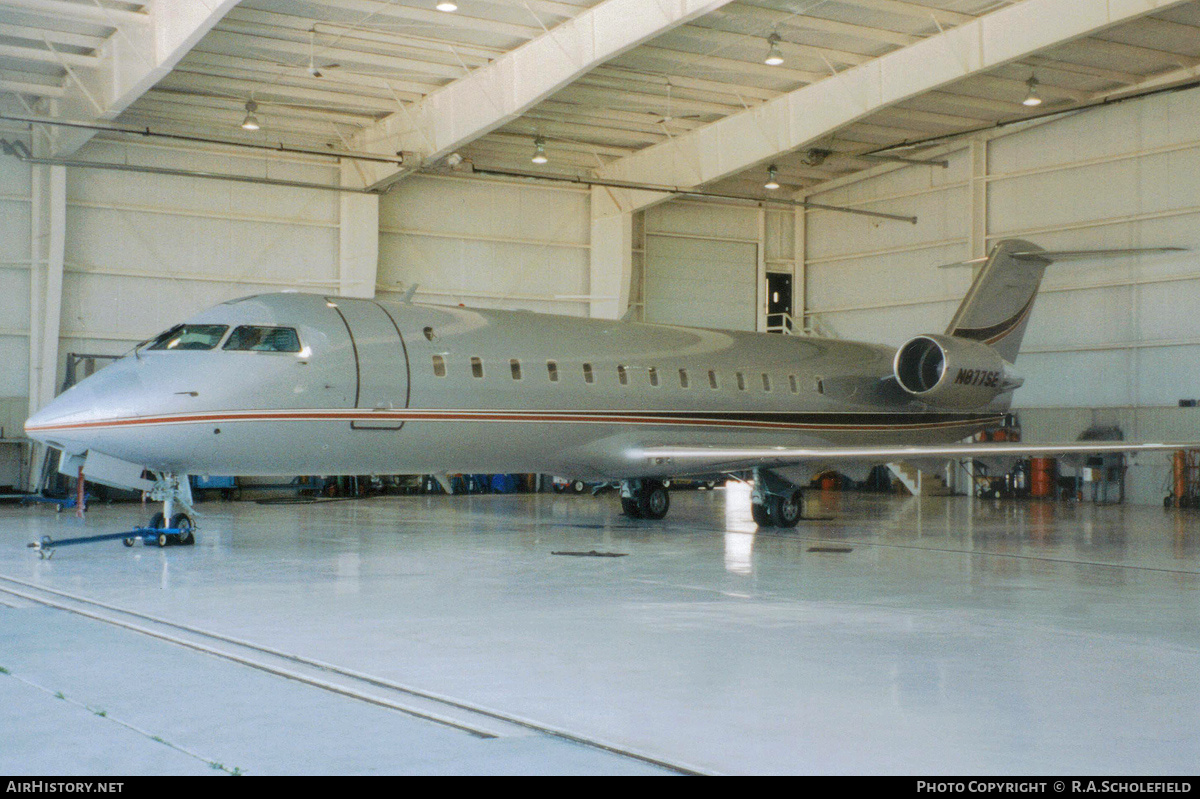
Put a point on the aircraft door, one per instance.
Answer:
(380, 357)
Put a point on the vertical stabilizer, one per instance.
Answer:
(996, 309)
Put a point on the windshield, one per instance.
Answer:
(189, 337)
(263, 339)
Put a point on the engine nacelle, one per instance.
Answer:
(953, 372)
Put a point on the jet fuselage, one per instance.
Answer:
(378, 387)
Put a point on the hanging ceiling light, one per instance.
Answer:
(447, 6)
(251, 121)
(774, 57)
(1032, 99)
(772, 183)
(539, 151)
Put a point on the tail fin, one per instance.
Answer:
(996, 308)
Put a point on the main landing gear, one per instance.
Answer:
(645, 499)
(775, 502)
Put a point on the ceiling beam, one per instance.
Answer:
(143, 50)
(92, 12)
(31, 88)
(802, 117)
(500, 92)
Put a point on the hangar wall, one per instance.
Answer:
(144, 251)
(1110, 341)
(491, 244)
(704, 263)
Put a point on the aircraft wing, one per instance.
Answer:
(736, 458)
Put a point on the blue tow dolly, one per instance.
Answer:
(181, 532)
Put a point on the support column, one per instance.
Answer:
(611, 263)
(358, 243)
(760, 321)
(48, 222)
(979, 196)
(800, 269)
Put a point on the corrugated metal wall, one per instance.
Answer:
(704, 262)
(488, 244)
(144, 251)
(1120, 335)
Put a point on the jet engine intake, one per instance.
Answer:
(952, 372)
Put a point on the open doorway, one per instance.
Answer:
(779, 302)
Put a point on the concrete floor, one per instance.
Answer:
(956, 636)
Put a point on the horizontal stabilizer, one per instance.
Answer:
(1069, 255)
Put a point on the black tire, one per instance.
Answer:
(163, 539)
(183, 523)
(653, 500)
(762, 516)
(578, 486)
(629, 506)
(127, 542)
(787, 511)
(157, 522)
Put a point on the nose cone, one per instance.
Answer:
(69, 421)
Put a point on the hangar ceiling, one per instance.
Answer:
(598, 82)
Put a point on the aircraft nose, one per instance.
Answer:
(65, 421)
(58, 423)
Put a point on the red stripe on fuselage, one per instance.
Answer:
(888, 421)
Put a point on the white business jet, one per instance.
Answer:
(288, 383)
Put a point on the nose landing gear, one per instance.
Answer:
(171, 490)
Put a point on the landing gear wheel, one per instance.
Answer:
(127, 542)
(786, 511)
(157, 522)
(653, 500)
(183, 523)
(629, 506)
(762, 516)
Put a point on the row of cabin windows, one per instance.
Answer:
(589, 375)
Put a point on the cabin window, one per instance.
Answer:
(683, 378)
(741, 381)
(552, 370)
(251, 338)
(712, 379)
(622, 375)
(476, 367)
(653, 376)
(766, 382)
(516, 368)
(588, 377)
(792, 383)
(192, 337)
(439, 366)
(820, 386)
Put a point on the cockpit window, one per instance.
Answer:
(189, 337)
(263, 339)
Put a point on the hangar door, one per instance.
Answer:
(701, 282)
(381, 358)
